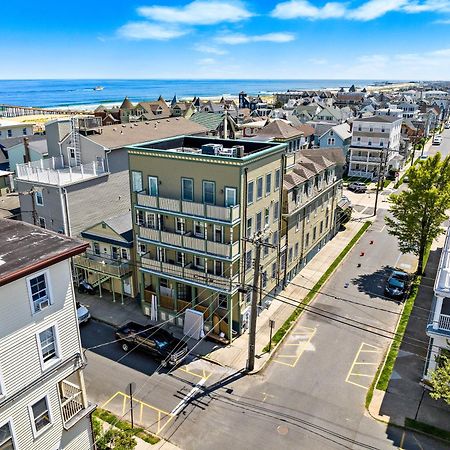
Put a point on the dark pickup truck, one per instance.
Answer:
(157, 342)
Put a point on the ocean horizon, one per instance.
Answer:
(64, 92)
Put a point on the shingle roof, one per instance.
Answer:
(306, 129)
(122, 225)
(12, 142)
(126, 104)
(331, 154)
(281, 129)
(209, 120)
(117, 136)
(384, 119)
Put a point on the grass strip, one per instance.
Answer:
(279, 335)
(427, 429)
(123, 425)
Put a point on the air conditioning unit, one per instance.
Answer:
(43, 304)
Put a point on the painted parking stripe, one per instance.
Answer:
(301, 346)
(357, 374)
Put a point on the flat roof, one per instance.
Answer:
(26, 248)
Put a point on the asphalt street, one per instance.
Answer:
(444, 147)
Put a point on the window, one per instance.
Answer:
(96, 248)
(314, 233)
(264, 279)
(124, 253)
(187, 189)
(268, 183)
(250, 189)
(139, 218)
(24, 131)
(274, 270)
(39, 292)
(48, 347)
(199, 262)
(9, 133)
(180, 259)
(136, 181)
(42, 222)
(275, 238)
(277, 179)
(179, 225)
(151, 221)
(331, 141)
(248, 260)
(307, 240)
(321, 227)
(290, 253)
(40, 415)
(249, 226)
(266, 247)
(276, 211)
(218, 268)
(266, 217)
(209, 192)
(153, 186)
(6, 437)
(199, 229)
(161, 254)
(115, 252)
(259, 188)
(230, 197)
(223, 301)
(218, 234)
(38, 198)
(142, 249)
(258, 222)
(298, 222)
(2, 394)
(296, 250)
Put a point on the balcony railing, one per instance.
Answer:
(190, 274)
(444, 322)
(222, 213)
(71, 400)
(190, 242)
(100, 264)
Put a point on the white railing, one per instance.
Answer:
(190, 274)
(71, 401)
(444, 322)
(53, 171)
(222, 213)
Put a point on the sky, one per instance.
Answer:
(235, 39)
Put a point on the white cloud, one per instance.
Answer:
(303, 8)
(370, 10)
(146, 30)
(206, 61)
(202, 48)
(443, 21)
(234, 39)
(198, 12)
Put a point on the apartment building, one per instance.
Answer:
(195, 201)
(375, 143)
(43, 404)
(11, 129)
(438, 328)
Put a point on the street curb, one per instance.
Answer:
(275, 348)
(104, 321)
(211, 360)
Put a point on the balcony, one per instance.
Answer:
(200, 210)
(439, 318)
(74, 405)
(189, 273)
(190, 242)
(97, 263)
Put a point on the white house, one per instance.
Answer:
(10, 129)
(375, 143)
(43, 404)
(438, 328)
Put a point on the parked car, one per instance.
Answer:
(447, 125)
(357, 186)
(437, 140)
(83, 313)
(397, 285)
(155, 341)
(406, 179)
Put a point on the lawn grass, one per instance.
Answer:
(279, 335)
(427, 429)
(123, 425)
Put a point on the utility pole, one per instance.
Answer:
(258, 243)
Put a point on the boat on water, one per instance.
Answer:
(98, 88)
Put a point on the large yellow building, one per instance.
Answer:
(196, 200)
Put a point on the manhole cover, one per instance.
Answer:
(283, 429)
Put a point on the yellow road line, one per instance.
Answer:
(303, 344)
(194, 374)
(355, 362)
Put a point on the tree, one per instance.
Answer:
(417, 213)
(113, 438)
(440, 380)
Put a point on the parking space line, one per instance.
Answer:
(204, 375)
(303, 345)
(363, 348)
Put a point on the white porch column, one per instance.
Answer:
(437, 312)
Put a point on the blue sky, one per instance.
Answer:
(361, 39)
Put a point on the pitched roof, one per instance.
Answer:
(209, 120)
(12, 142)
(331, 154)
(306, 129)
(27, 248)
(126, 104)
(280, 129)
(122, 225)
(342, 130)
(118, 136)
(383, 118)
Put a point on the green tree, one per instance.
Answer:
(417, 213)
(113, 438)
(440, 380)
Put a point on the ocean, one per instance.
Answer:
(57, 93)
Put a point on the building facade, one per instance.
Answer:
(375, 146)
(195, 203)
(43, 403)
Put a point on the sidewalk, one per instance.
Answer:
(404, 393)
(235, 354)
